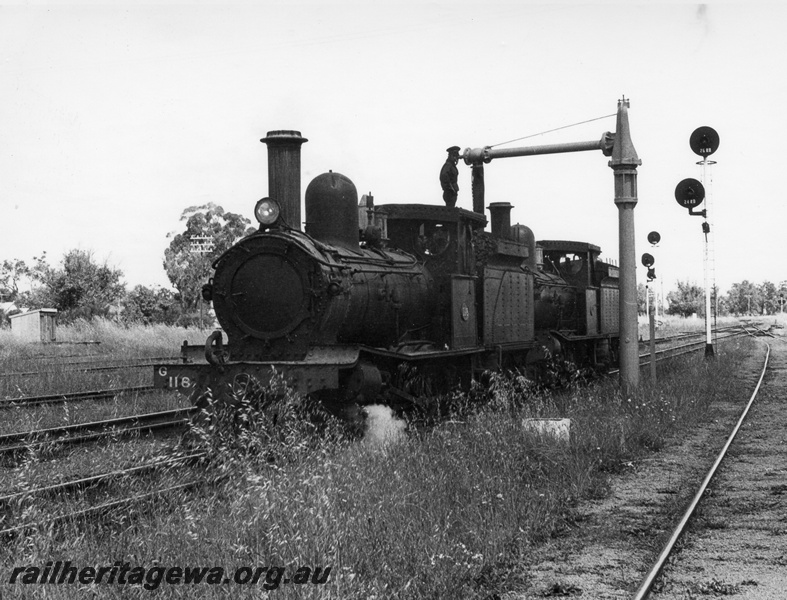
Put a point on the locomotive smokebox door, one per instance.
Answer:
(464, 332)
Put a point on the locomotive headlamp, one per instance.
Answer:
(267, 211)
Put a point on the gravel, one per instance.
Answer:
(736, 545)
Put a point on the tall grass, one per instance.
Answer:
(28, 369)
(103, 337)
(451, 511)
(35, 368)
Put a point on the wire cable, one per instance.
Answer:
(556, 129)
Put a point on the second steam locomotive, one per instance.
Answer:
(367, 293)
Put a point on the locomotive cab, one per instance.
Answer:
(440, 237)
(575, 262)
(435, 234)
(593, 310)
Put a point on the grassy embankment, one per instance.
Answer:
(449, 512)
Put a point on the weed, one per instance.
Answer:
(448, 511)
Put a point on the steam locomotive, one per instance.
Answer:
(366, 294)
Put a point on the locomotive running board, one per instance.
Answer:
(318, 370)
(422, 354)
(579, 338)
(343, 356)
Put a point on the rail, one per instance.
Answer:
(100, 480)
(13, 443)
(73, 396)
(148, 362)
(675, 351)
(647, 584)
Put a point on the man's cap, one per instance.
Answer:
(453, 150)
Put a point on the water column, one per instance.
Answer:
(624, 163)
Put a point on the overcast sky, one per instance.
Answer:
(116, 116)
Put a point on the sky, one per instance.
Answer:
(117, 116)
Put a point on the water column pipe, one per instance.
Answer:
(624, 162)
(477, 157)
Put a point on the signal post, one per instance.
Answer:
(648, 261)
(690, 193)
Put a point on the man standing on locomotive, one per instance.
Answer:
(449, 175)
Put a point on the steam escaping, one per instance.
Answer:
(382, 428)
(559, 429)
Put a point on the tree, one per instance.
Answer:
(769, 298)
(12, 272)
(689, 299)
(150, 305)
(722, 303)
(80, 287)
(186, 269)
(743, 298)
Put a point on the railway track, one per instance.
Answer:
(106, 394)
(647, 584)
(614, 541)
(74, 369)
(16, 443)
(88, 367)
(681, 349)
(14, 500)
(686, 335)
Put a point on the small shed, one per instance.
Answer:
(35, 325)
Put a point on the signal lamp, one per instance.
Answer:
(267, 211)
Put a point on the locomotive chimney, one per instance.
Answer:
(500, 213)
(284, 173)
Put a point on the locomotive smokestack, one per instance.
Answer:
(284, 172)
(500, 213)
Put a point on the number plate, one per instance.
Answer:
(175, 377)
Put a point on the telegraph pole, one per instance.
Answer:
(201, 244)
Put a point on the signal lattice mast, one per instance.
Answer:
(704, 141)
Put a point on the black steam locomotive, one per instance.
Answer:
(370, 293)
